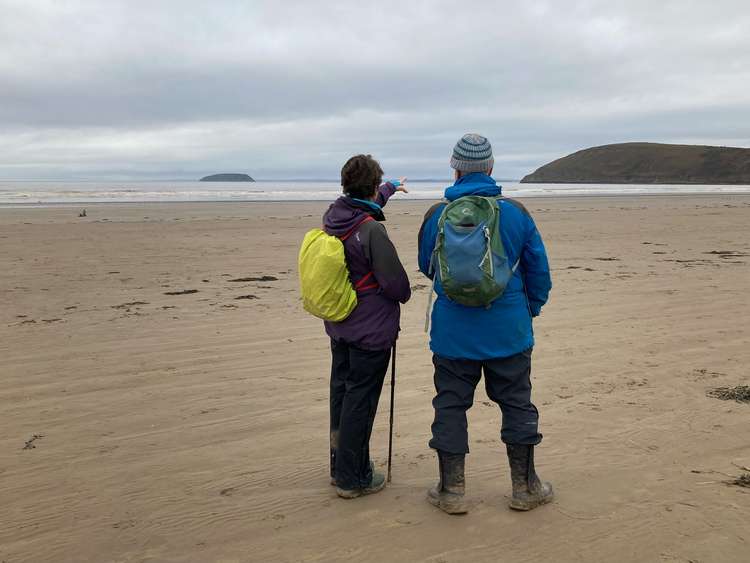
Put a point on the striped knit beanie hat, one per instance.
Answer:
(472, 153)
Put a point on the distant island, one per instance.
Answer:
(648, 163)
(227, 178)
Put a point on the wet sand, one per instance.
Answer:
(164, 397)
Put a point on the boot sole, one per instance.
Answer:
(526, 506)
(447, 507)
(355, 493)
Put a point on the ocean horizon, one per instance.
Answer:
(49, 192)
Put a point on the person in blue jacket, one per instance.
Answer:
(497, 340)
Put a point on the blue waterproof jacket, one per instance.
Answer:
(505, 328)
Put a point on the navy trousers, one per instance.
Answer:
(356, 382)
(508, 383)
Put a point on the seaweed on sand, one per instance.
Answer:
(741, 393)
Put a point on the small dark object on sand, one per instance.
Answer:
(183, 292)
(257, 279)
(82, 213)
(247, 297)
(130, 304)
(726, 253)
(29, 445)
(741, 393)
(741, 481)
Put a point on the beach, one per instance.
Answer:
(165, 398)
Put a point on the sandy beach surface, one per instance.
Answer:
(165, 398)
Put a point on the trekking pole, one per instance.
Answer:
(390, 434)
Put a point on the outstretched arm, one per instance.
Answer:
(385, 191)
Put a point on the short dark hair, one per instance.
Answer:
(361, 176)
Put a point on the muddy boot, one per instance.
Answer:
(377, 484)
(528, 491)
(448, 494)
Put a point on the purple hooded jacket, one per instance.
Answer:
(372, 259)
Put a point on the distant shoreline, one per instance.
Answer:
(91, 204)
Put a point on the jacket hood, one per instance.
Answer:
(344, 214)
(477, 183)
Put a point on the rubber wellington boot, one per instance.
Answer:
(528, 491)
(377, 484)
(448, 494)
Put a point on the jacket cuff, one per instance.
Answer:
(388, 189)
(536, 308)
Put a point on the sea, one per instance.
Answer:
(23, 193)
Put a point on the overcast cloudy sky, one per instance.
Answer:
(284, 89)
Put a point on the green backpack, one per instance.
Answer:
(469, 257)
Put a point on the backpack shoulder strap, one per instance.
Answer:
(367, 281)
(351, 231)
(434, 209)
(520, 206)
(515, 203)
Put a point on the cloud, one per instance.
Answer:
(291, 89)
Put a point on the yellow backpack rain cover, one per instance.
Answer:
(327, 291)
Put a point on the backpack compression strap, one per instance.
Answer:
(362, 284)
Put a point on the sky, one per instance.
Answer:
(284, 89)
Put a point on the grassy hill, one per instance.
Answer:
(648, 163)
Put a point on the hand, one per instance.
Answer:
(401, 185)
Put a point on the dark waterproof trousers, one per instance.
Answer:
(508, 383)
(356, 382)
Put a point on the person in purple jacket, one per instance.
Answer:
(361, 344)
